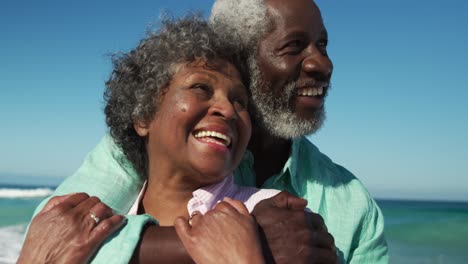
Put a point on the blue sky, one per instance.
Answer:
(397, 116)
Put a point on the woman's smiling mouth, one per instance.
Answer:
(213, 137)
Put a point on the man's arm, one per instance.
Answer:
(68, 218)
(106, 173)
(162, 244)
(372, 246)
(287, 233)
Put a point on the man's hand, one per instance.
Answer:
(65, 232)
(291, 235)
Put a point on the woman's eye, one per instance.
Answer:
(202, 91)
(240, 105)
(200, 86)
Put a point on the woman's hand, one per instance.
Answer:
(69, 229)
(225, 234)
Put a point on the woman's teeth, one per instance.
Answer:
(310, 91)
(225, 140)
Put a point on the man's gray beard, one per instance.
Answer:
(273, 112)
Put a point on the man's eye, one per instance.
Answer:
(322, 46)
(294, 46)
(295, 43)
(322, 43)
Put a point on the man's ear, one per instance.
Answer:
(141, 128)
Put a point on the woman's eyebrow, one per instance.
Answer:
(203, 74)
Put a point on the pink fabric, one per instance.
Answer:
(207, 197)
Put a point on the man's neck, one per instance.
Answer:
(270, 154)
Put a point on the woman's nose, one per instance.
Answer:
(224, 108)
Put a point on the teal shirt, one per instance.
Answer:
(349, 212)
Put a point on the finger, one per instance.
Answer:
(287, 200)
(183, 230)
(194, 218)
(238, 205)
(101, 211)
(322, 255)
(295, 202)
(226, 208)
(105, 228)
(315, 221)
(54, 201)
(323, 239)
(86, 205)
(62, 204)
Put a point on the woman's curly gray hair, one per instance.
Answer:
(139, 78)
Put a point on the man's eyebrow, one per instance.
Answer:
(295, 34)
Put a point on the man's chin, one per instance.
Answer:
(289, 125)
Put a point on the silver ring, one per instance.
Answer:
(191, 217)
(95, 218)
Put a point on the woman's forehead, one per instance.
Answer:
(212, 69)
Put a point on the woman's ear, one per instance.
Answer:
(141, 128)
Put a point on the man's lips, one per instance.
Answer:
(311, 87)
(310, 96)
(310, 91)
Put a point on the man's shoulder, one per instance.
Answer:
(308, 153)
(322, 171)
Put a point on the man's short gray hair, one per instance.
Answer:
(241, 24)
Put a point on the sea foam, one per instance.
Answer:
(25, 193)
(10, 244)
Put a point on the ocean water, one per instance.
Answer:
(17, 204)
(416, 231)
(426, 232)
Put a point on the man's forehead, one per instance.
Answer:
(296, 16)
(281, 9)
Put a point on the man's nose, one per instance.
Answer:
(317, 62)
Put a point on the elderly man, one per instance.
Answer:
(284, 44)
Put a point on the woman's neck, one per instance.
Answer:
(167, 194)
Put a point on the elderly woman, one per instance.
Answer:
(177, 106)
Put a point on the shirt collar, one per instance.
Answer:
(205, 198)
